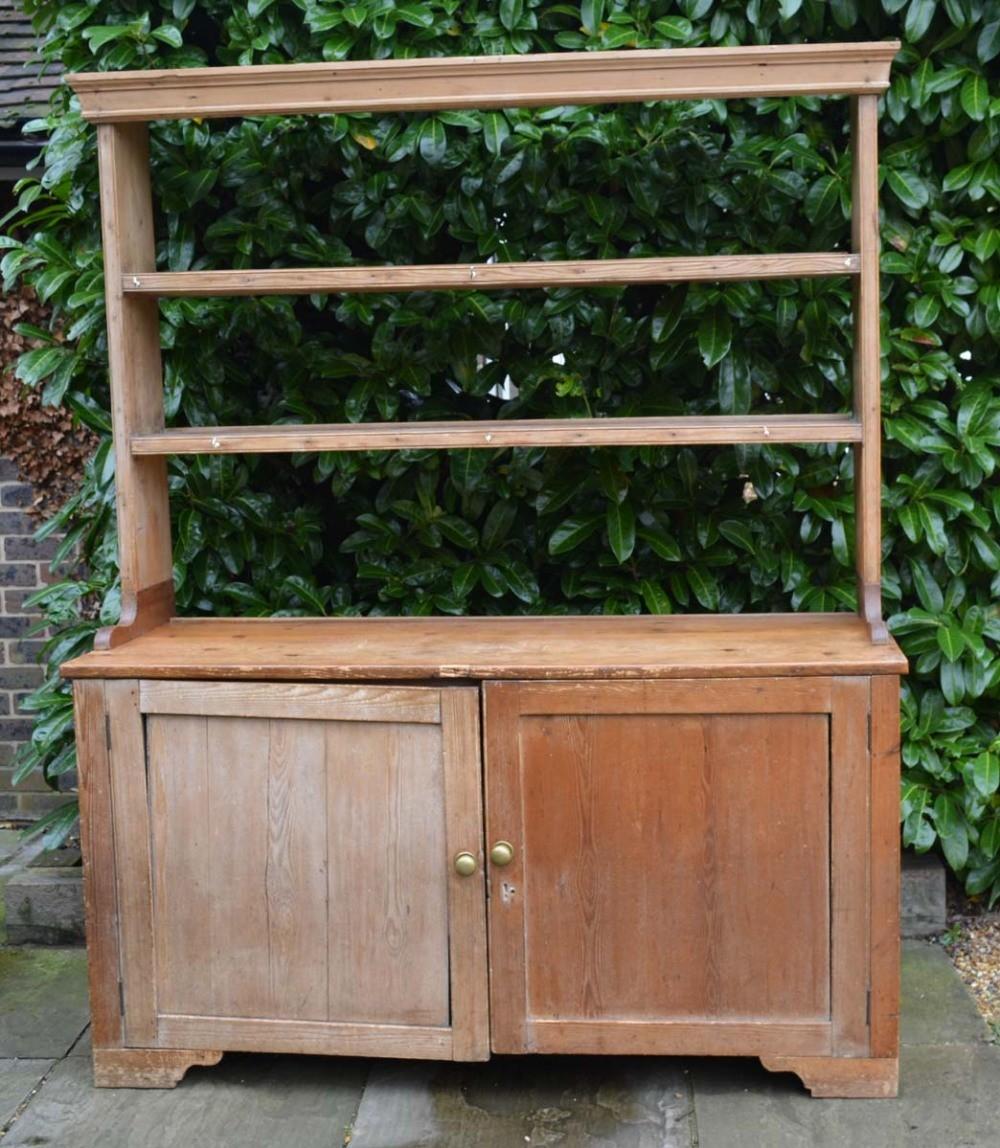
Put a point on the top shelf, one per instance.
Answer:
(455, 82)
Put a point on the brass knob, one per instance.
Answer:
(465, 864)
(502, 853)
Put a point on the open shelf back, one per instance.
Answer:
(122, 103)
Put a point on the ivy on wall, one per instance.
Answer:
(611, 530)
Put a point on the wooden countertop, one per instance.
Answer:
(329, 649)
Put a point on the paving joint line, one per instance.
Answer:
(348, 1133)
(693, 1123)
(33, 1092)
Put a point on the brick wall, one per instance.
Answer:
(23, 569)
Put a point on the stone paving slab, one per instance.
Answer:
(17, 1079)
(43, 1001)
(244, 1102)
(950, 1088)
(936, 1007)
(575, 1102)
(949, 1098)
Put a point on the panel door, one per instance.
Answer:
(671, 888)
(285, 858)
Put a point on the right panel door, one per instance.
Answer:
(671, 887)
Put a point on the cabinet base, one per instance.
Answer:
(830, 1077)
(147, 1067)
(827, 1077)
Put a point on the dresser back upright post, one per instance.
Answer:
(867, 363)
(143, 507)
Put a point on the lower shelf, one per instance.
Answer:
(328, 649)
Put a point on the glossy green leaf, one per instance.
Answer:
(928, 590)
(620, 520)
(739, 533)
(705, 587)
(433, 141)
(910, 188)
(989, 837)
(975, 96)
(988, 43)
(496, 131)
(656, 599)
(168, 34)
(571, 532)
(951, 641)
(822, 197)
(734, 385)
(956, 847)
(591, 15)
(510, 13)
(986, 773)
(714, 336)
(918, 18)
(674, 28)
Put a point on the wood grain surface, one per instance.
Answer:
(133, 863)
(867, 362)
(302, 867)
(885, 862)
(487, 276)
(495, 434)
(678, 646)
(669, 867)
(97, 842)
(487, 81)
(136, 376)
(849, 817)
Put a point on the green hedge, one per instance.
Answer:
(614, 530)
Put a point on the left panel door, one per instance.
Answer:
(285, 867)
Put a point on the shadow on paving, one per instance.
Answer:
(950, 1097)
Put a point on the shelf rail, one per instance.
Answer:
(497, 434)
(121, 104)
(491, 276)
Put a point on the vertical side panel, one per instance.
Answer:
(885, 866)
(470, 1020)
(132, 861)
(504, 821)
(388, 883)
(237, 752)
(98, 845)
(136, 374)
(849, 853)
(867, 362)
(297, 870)
(183, 881)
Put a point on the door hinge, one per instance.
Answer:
(107, 731)
(868, 1007)
(121, 997)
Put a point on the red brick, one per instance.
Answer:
(13, 602)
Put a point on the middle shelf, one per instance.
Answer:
(483, 276)
(496, 434)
